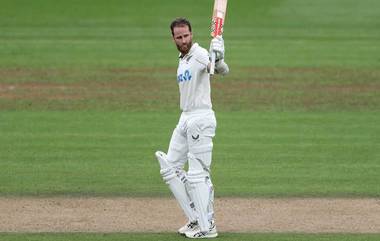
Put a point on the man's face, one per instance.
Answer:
(183, 38)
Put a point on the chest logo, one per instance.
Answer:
(186, 76)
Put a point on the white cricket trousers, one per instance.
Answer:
(193, 136)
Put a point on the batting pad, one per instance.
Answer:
(200, 193)
(177, 182)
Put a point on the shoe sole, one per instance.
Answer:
(180, 233)
(213, 235)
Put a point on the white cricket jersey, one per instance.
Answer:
(194, 80)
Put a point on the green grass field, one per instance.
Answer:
(88, 94)
(256, 153)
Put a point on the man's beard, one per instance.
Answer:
(186, 49)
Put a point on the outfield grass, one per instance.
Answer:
(283, 54)
(170, 237)
(88, 93)
(256, 153)
(94, 34)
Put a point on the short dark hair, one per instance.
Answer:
(180, 22)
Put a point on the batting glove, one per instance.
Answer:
(217, 46)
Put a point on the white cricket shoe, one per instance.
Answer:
(189, 227)
(212, 233)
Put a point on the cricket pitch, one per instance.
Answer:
(106, 215)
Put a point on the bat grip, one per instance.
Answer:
(212, 63)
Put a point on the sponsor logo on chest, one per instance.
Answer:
(185, 76)
(184, 71)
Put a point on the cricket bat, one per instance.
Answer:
(218, 16)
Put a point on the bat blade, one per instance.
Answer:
(217, 23)
(218, 16)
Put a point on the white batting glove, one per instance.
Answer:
(217, 46)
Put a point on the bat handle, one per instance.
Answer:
(212, 63)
